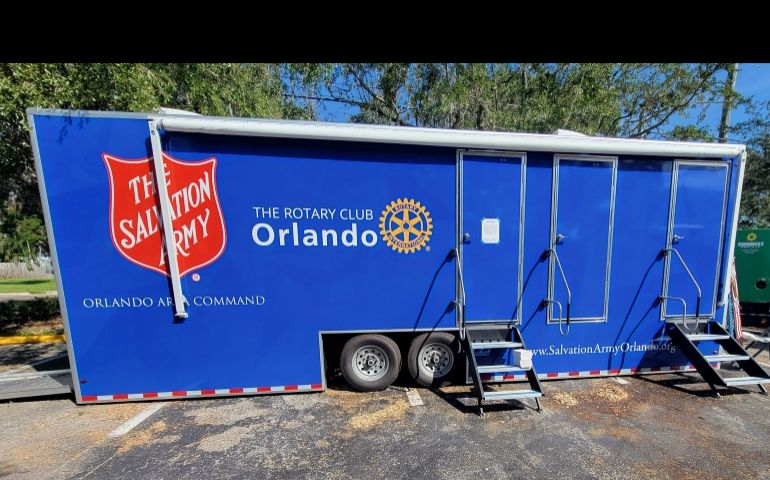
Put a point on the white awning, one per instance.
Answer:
(443, 138)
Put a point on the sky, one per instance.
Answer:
(753, 80)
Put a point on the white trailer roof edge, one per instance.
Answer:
(193, 123)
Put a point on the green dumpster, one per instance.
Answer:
(752, 263)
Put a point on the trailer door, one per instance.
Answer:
(490, 239)
(695, 235)
(582, 211)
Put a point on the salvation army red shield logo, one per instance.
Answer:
(136, 224)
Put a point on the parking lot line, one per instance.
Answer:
(414, 398)
(139, 418)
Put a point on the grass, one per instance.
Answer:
(27, 285)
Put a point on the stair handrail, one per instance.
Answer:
(552, 251)
(548, 301)
(684, 308)
(461, 301)
(697, 287)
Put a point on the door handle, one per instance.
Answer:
(560, 237)
(466, 237)
(676, 238)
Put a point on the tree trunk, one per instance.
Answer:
(727, 104)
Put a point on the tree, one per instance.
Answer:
(627, 100)
(755, 199)
(211, 89)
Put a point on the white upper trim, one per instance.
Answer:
(441, 137)
(471, 139)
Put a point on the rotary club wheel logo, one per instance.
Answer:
(406, 226)
(751, 237)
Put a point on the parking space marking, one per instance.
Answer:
(139, 418)
(414, 398)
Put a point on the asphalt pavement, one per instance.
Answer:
(659, 426)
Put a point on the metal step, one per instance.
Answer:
(746, 381)
(726, 357)
(703, 337)
(500, 369)
(490, 325)
(506, 336)
(690, 320)
(505, 344)
(510, 394)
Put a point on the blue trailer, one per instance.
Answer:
(274, 252)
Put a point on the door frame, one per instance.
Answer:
(522, 157)
(554, 220)
(670, 231)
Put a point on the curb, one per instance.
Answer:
(25, 296)
(46, 294)
(21, 339)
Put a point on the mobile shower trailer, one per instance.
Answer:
(300, 247)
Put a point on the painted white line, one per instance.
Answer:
(621, 381)
(400, 389)
(414, 398)
(139, 418)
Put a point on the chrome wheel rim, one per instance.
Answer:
(435, 360)
(370, 363)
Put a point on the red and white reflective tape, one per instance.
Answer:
(586, 373)
(315, 387)
(490, 377)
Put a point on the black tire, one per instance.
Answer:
(442, 342)
(380, 350)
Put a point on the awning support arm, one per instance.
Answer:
(168, 228)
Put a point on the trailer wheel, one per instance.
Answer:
(370, 362)
(432, 358)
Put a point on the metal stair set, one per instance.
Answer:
(686, 339)
(491, 336)
(686, 336)
(495, 337)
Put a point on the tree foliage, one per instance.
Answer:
(755, 198)
(211, 89)
(626, 100)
